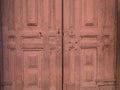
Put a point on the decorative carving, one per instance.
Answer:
(72, 43)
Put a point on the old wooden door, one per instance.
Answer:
(58, 44)
(89, 44)
(32, 41)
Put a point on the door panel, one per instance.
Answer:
(89, 49)
(32, 44)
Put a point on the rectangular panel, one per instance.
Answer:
(32, 69)
(32, 12)
(33, 43)
(33, 40)
(89, 58)
(89, 39)
(89, 10)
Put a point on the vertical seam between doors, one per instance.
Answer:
(62, 45)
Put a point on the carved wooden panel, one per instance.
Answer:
(88, 65)
(89, 45)
(32, 68)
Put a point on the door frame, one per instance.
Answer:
(117, 24)
(1, 52)
(118, 43)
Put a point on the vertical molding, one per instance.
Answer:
(53, 70)
(72, 66)
(52, 14)
(71, 13)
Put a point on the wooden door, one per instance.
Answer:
(89, 45)
(58, 45)
(32, 41)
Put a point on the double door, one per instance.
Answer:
(58, 44)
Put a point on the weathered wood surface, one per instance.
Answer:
(32, 44)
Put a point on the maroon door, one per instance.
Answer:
(58, 44)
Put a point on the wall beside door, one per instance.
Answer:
(0, 49)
